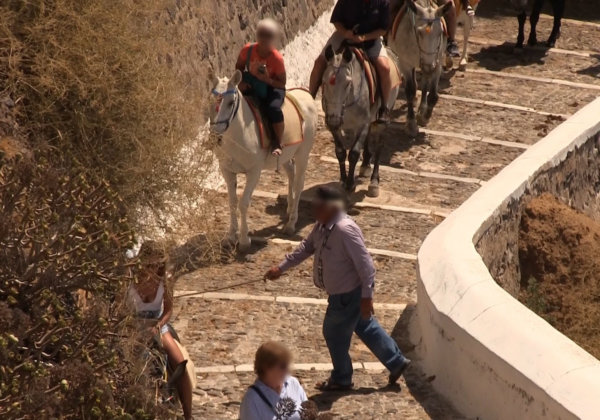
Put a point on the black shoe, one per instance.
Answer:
(383, 115)
(393, 378)
(452, 48)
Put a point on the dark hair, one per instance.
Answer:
(269, 355)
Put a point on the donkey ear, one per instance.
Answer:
(442, 10)
(236, 78)
(347, 55)
(329, 53)
(412, 5)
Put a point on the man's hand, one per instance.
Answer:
(366, 308)
(358, 39)
(273, 274)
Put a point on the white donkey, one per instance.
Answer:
(419, 41)
(240, 151)
(466, 20)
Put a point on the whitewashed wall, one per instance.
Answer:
(491, 356)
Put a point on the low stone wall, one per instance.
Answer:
(491, 356)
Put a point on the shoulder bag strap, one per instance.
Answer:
(248, 57)
(263, 397)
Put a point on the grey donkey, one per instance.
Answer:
(350, 116)
(420, 42)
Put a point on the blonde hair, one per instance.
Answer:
(269, 355)
(269, 25)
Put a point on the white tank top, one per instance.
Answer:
(140, 306)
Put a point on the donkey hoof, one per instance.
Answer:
(244, 246)
(365, 171)
(350, 188)
(289, 229)
(449, 63)
(412, 128)
(373, 191)
(463, 65)
(422, 120)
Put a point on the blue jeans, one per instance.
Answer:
(341, 320)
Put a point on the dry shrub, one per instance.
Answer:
(65, 237)
(98, 142)
(93, 79)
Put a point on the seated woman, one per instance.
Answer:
(275, 394)
(152, 298)
(264, 76)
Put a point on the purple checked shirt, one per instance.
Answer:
(341, 260)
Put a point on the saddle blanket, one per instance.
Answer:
(292, 118)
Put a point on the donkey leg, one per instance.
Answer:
(422, 115)
(290, 169)
(521, 37)
(377, 144)
(432, 97)
(301, 165)
(558, 8)
(353, 157)
(464, 58)
(252, 179)
(231, 181)
(411, 92)
(340, 153)
(533, 20)
(365, 167)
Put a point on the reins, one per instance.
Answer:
(219, 95)
(218, 289)
(429, 22)
(355, 96)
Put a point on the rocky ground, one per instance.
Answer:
(467, 144)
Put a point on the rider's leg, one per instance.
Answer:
(274, 103)
(378, 55)
(316, 75)
(184, 386)
(451, 23)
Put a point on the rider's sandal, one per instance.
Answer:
(329, 385)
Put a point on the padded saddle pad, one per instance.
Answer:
(292, 117)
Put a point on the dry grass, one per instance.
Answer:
(92, 79)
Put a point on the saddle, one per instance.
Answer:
(371, 73)
(292, 116)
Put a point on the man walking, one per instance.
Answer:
(344, 268)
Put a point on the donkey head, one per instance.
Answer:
(337, 85)
(226, 97)
(429, 33)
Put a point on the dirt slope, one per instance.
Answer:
(559, 251)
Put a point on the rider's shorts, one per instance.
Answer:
(377, 49)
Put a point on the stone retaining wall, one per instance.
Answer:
(221, 28)
(491, 356)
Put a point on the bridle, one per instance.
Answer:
(422, 52)
(236, 98)
(354, 96)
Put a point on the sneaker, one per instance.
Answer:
(383, 115)
(470, 11)
(277, 151)
(393, 378)
(452, 49)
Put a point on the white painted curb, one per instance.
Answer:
(491, 356)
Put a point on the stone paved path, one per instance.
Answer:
(434, 174)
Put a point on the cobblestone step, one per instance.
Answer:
(218, 395)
